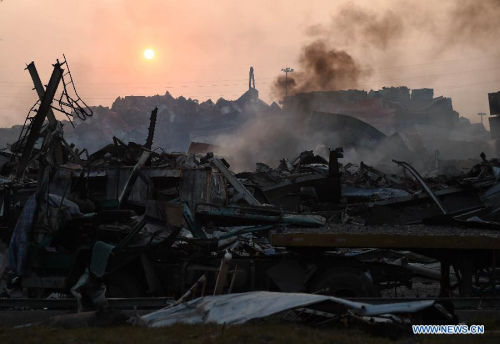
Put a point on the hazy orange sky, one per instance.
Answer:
(205, 48)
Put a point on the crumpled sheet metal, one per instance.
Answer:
(374, 193)
(20, 240)
(233, 309)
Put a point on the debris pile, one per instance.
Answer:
(132, 220)
(424, 122)
(180, 120)
(316, 310)
(307, 179)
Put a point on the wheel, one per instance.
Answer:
(344, 282)
(123, 284)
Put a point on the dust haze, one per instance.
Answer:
(202, 48)
(343, 53)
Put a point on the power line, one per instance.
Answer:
(267, 82)
(465, 59)
(272, 77)
(194, 96)
(203, 83)
(469, 85)
(222, 93)
(436, 62)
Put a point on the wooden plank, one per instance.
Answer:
(240, 188)
(402, 241)
(194, 187)
(133, 177)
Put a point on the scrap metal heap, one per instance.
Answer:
(129, 221)
(189, 221)
(172, 217)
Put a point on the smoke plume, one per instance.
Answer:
(340, 52)
(321, 69)
(325, 67)
(352, 25)
(473, 23)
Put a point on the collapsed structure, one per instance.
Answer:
(125, 219)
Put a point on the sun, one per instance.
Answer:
(149, 54)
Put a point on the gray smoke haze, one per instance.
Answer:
(267, 140)
(322, 66)
(354, 24)
(338, 56)
(339, 53)
(473, 23)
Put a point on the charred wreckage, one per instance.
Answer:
(132, 221)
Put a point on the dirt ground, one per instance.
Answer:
(422, 287)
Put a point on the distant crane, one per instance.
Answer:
(286, 71)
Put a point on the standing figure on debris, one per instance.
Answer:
(251, 79)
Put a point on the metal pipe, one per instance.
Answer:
(423, 183)
(221, 278)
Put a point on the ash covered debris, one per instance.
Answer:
(180, 120)
(132, 218)
(424, 122)
(223, 219)
(315, 310)
(117, 220)
(401, 121)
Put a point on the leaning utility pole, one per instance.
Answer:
(40, 90)
(286, 70)
(43, 111)
(151, 131)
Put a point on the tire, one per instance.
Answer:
(123, 284)
(344, 282)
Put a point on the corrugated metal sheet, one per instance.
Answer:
(233, 309)
(177, 173)
(195, 187)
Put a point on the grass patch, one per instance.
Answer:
(490, 324)
(207, 334)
